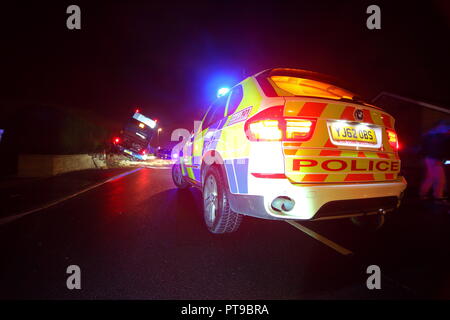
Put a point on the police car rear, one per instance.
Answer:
(339, 154)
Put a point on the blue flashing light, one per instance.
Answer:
(222, 91)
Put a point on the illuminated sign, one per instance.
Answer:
(139, 117)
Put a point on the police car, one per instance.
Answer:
(290, 144)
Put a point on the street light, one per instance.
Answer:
(157, 141)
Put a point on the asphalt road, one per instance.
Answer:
(138, 237)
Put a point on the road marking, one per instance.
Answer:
(120, 176)
(54, 203)
(345, 252)
(321, 238)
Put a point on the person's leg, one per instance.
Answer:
(439, 180)
(428, 179)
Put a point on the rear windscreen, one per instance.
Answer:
(310, 88)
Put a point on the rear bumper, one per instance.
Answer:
(314, 202)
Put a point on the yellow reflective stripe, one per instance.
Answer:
(335, 177)
(292, 108)
(332, 111)
(352, 154)
(190, 173)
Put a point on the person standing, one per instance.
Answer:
(435, 149)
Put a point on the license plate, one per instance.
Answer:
(353, 133)
(128, 151)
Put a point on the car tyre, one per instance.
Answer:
(178, 178)
(217, 214)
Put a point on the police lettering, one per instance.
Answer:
(341, 165)
(336, 165)
(303, 163)
(379, 168)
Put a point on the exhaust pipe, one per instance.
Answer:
(283, 204)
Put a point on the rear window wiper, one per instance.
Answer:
(353, 99)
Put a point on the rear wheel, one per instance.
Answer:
(218, 216)
(178, 178)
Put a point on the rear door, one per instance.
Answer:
(212, 124)
(204, 138)
(350, 143)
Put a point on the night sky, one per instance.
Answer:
(169, 58)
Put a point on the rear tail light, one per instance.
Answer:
(265, 130)
(393, 139)
(298, 129)
(271, 125)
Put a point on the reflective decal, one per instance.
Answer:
(240, 116)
